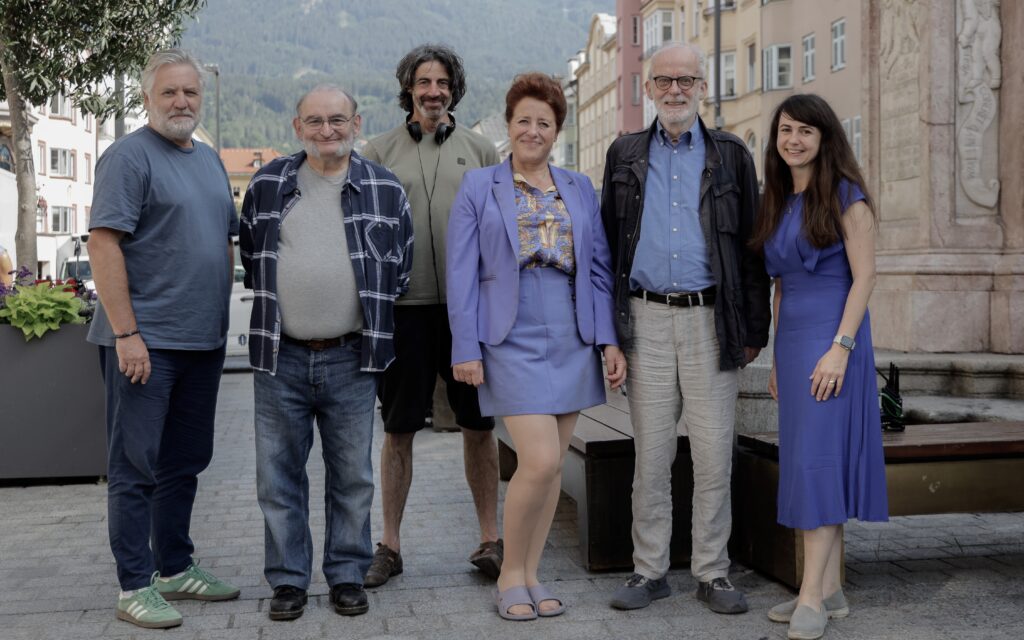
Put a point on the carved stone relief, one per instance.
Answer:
(979, 75)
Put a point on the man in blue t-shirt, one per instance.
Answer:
(160, 244)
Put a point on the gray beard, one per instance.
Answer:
(345, 147)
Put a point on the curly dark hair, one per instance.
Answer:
(539, 86)
(407, 66)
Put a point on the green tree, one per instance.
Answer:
(75, 47)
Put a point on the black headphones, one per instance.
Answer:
(442, 133)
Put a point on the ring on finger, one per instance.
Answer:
(831, 382)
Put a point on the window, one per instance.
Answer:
(751, 67)
(636, 30)
(6, 158)
(88, 214)
(695, 28)
(570, 153)
(682, 23)
(847, 130)
(650, 32)
(839, 44)
(40, 216)
(729, 75)
(778, 67)
(60, 106)
(666, 26)
(236, 192)
(88, 121)
(60, 219)
(41, 164)
(637, 89)
(808, 57)
(752, 144)
(62, 163)
(856, 138)
(88, 169)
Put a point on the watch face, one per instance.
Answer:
(846, 342)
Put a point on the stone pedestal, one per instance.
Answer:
(945, 94)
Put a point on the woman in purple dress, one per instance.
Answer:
(817, 229)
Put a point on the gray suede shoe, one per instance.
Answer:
(638, 592)
(836, 606)
(807, 624)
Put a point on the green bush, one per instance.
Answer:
(38, 308)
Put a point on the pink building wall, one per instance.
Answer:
(629, 112)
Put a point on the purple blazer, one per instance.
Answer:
(483, 260)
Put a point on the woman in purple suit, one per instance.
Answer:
(817, 229)
(529, 300)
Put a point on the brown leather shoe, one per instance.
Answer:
(386, 563)
(488, 557)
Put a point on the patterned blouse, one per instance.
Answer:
(545, 229)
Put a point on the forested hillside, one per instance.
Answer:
(269, 51)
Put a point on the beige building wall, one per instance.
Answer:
(596, 85)
(824, 41)
(693, 22)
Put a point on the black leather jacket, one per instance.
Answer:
(728, 204)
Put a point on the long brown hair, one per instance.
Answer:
(822, 222)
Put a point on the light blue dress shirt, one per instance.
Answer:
(671, 254)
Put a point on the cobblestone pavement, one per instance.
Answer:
(919, 578)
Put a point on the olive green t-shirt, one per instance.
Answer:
(431, 176)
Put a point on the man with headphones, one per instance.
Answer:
(429, 154)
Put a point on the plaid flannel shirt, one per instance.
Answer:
(379, 234)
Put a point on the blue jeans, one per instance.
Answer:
(159, 437)
(329, 387)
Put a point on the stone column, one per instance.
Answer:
(950, 274)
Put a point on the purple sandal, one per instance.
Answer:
(511, 597)
(539, 593)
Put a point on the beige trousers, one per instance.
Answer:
(673, 374)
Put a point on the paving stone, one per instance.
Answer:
(907, 579)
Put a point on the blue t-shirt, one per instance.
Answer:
(175, 208)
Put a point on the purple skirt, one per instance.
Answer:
(542, 366)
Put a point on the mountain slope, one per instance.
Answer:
(269, 52)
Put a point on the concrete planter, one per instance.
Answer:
(51, 405)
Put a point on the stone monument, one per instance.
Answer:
(944, 94)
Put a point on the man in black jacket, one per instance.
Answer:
(691, 307)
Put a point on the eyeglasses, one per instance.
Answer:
(336, 122)
(685, 82)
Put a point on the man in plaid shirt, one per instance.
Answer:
(326, 242)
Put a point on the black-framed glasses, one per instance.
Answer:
(685, 82)
(335, 122)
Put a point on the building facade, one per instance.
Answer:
(596, 87)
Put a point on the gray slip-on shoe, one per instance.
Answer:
(836, 606)
(721, 597)
(638, 592)
(807, 624)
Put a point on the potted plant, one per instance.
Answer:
(51, 389)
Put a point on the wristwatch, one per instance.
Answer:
(845, 342)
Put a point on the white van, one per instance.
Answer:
(241, 311)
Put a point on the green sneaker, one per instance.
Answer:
(147, 608)
(196, 584)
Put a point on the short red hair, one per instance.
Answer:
(539, 86)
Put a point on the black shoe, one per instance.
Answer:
(721, 597)
(349, 599)
(288, 603)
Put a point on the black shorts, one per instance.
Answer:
(423, 350)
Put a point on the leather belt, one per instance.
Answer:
(680, 299)
(320, 344)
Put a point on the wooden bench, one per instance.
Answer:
(598, 476)
(974, 467)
